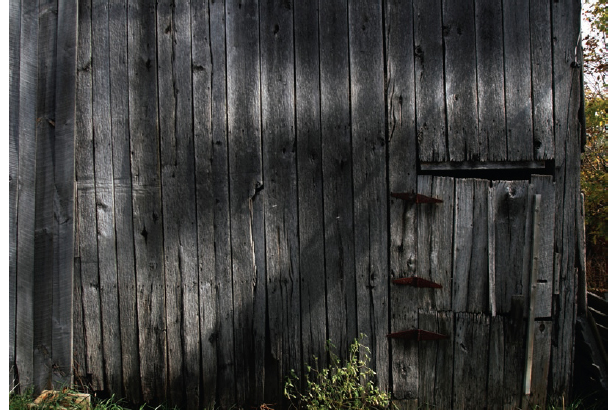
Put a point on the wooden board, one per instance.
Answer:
(461, 81)
(280, 194)
(310, 182)
(496, 363)
(518, 81)
(337, 175)
(369, 180)
(430, 94)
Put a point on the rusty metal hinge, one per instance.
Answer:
(416, 282)
(417, 334)
(415, 198)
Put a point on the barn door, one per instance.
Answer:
(460, 295)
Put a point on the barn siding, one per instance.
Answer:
(234, 164)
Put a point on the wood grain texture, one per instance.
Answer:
(490, 80)
(430, 92)
(337, 175)
(369, 180)
(496, 363)
(310, 181)
(461, 81)
(518, 80)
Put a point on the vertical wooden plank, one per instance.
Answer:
(478, 298)
(435, 233)
(147, 210)
(436, 359)
(179, 202)
(542, 86)
(28, 95)
(45, 230)
(514, 353)
(491, 252)
(471, 341)
(104, 201)
(496, 363)
(246, 197)
(79, 344)
(510, 210)
(430, 91)
(461, 81)
(310, 181)
(400, 100)
(123, 200)
(369, 179)
(565, 18)
(490, 80)
(281, 196)
(518, 81)
(337, 174)
(541, 362)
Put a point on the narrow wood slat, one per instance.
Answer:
(490, 80)
(541, 363)
(337, 175)
(310, 181)
(430, 94)
(496, 363)
(369, 179)
(461, 81)
(518, 81)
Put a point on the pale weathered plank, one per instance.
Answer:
(402, 178)
(436, 360)
(310, 182)
(430, 94)
(542, 87)
(464, 202)
(147, 209)
(280, 194)
(369, 180)
(471, 340)
(246, 197)
(518, 80)
(123, 200)
(461, 81)
(24, 310)
(337, 174)
(490, 80)
(104, 196)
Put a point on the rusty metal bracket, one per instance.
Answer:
(417, 334)
(415, 198)
(416, 282)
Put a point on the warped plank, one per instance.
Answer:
(246, 197)
(369, 180)
(402, 178)
(281, 196)
(147, 209)
(461, 81)
(337, 175)
(518, 81)
(104, 196)
(28, 95)
(310, 181)
(123, 200)
(430, 94)
(542, 81)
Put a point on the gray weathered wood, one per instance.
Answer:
(435, 236)
(104, 196)
(369, 180)
(496, 363)
(518, 80)
(310, 182)
(147, 208)
(436, 360)
(534, 256)
(490, 80)
(541, 362)
(471, 338)
(514, 353)
(542, 87)
(461, 81)
(246, 197)
(123, 200)
(486, 165)
(430, 95)
(337, 174)
(491, 253)
(281, 196)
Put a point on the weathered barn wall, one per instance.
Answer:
(234, 164)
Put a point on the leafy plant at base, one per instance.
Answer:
(349, 386)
